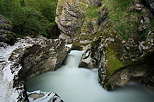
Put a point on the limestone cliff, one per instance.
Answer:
(69, 18)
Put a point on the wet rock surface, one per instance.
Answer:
(121, 53)
(27, 52)
(93, 56)
(38, 96)
(49, 55)
(141, 72)
(104, 49)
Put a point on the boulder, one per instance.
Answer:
(41, 58)
(141, 72)
(69, 17)
(95, 57)
(38, 96)
(92, 57)
(27, 58)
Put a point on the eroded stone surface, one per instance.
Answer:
(38, 96)
(69, 18)
(142, 72)
(22, 59)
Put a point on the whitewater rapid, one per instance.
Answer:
(75, 84)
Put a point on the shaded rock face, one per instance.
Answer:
(147, 44)
(107, 49)
(119, 53)
(69, 18)
(6, 35)
(141, 72)
(150, 3)
(95, 57)
(88, 59)
(103, 14)
(27, 58)
(130, 51)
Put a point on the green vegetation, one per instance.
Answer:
(123, 21)
(152, 24)
(92, 12)
(113, 63)
(121, 24)
(30, 17)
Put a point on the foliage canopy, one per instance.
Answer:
(30, 17)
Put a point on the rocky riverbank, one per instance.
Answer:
(113, 36)
(117, 37)
(27, 58)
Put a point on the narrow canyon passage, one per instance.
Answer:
(75, 84)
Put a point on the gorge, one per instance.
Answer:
(76, 50)
(75, 84)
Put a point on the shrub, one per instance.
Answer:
(30, 17)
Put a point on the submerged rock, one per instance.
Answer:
(27, 58)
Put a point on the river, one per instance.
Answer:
(75, 84)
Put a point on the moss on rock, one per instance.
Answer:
(113, 63)
(115, 41)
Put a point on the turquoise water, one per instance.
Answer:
(75, 84)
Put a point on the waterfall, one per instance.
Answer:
(75, 84)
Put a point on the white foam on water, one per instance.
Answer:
(6, 76)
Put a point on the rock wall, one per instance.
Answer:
(141, 72)
(28, 58)
(69, 18)
(113, 35)
(48, 55)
